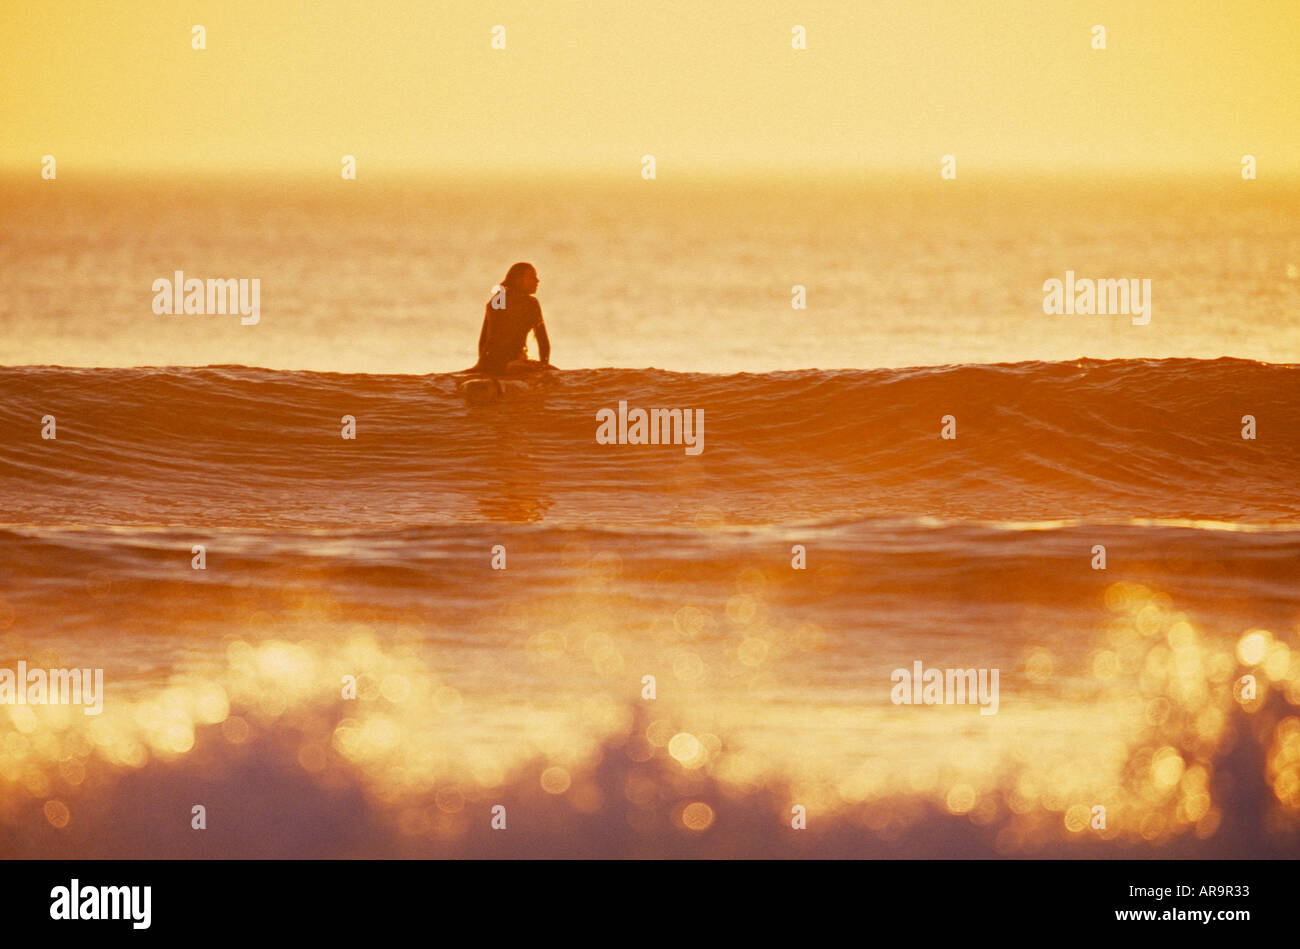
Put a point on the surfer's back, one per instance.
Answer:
(507, 328)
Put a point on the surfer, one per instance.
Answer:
(511, 314)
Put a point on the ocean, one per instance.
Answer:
(390, 274)
(631, 649)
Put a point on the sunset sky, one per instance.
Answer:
(1183, 84)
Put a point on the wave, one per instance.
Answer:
(247, 447)
(965, 568)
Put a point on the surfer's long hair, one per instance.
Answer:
(516, 272)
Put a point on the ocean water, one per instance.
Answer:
(825, 537)
(372, 557)
(389, 275)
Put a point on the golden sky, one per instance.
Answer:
(701, 84)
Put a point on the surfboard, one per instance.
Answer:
(480, 388)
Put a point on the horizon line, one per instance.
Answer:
(604, 171)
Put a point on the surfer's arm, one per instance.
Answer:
(543, 341)
(483, 337)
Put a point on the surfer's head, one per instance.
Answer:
(521, 277)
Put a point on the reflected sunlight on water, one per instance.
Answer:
(1142, 728)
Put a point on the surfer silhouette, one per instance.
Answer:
(511, 314)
